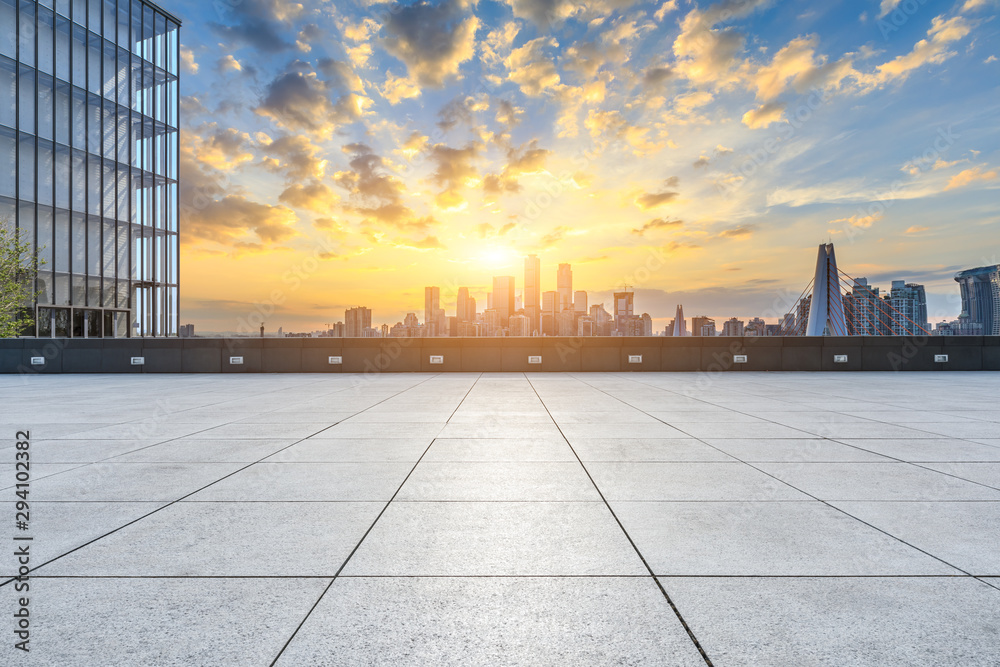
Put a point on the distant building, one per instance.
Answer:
(566, 322)
(550, 305)
(503, 297)
(564, 287)
(356, 321)
(432, 303)
(585, 326)
(755, 327)
(187, 331)
(623, 305)
(702, 326)
(908, 309)
(602, 320)
(532, 290)
(580, 301)
(733, 327)
(519, 325)
(980, 290)
(492, 323)
(462, 305)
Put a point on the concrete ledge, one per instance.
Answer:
(554, 354)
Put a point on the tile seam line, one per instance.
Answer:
(816, 498)
(188, 495)
(357, 546)
(659, 584)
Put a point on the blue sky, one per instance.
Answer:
(371, 149)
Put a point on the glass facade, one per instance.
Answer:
(89, 111)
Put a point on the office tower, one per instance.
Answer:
(866, 312)
(432, 301)
(980, 290)
(647, 324)
(566, 323)
(564, 286)
(547, 320)
(826, 311)
(623, 309)
(602, 320)
(680, 326)
(585, 326)
(702, 326)
(492, 324)
(580, 301)
(503, 297)
(89, 145)
(187, 331)
(733, 327)
(532, 290)
(357, 321)
(908, 309)
(462, 305)
(470, 310)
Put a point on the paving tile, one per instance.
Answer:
(493, 621)
(205, 450)
(311, 481)
(265, 431)
(646, 449)
(353, 450)
(130, 481)
(499, 449)
(738, 430)
(498, 539)
(611, 430)
(876, 481)
(848, 622)
(498, 480)
(980, 473)
(760, 539)
(960, 533)
(212, 622)
(790, 450)
(82, 451)
(58, 527)
(687, 481)
(918, 450)
(228, 539)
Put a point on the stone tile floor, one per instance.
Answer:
(486, 519)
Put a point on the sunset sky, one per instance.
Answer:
(350, 153)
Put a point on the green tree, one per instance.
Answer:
(19, 263)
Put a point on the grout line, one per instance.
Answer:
(659, 584)
(814, 497)
(173, 502)
(370, 528)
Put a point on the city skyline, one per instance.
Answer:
(353, 154)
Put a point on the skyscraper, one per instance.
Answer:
(908, 310)
(357, 321)
(981, 298)
(580, 301)
(503, 297)
(623, 305)
(89, 143)
(547, 320)
(564, 286)
(432, 298)
(462, 306)
(532, 290)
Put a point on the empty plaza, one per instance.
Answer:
(726, 519)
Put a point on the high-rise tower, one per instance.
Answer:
(532, 290)
(564, 286)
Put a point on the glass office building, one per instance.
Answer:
(88, 119)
